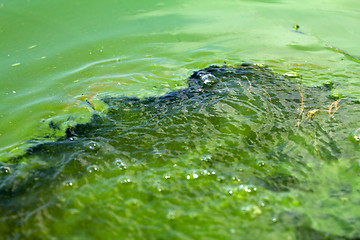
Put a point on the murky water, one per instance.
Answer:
(276, 160)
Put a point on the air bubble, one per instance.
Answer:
(261, 164)
(123, 179)
(248, 189)
(4, 170)
(120, 164)
(93, 146)
(93, 168)
(236, 179)
(72, 138)
(208, 79)
(197, 173)
(208, 172)
(69, 183)
(158, 155)
(206, 158)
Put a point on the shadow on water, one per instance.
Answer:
(236, 122)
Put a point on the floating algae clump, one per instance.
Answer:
(241, 153)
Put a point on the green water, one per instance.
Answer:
(57, 55)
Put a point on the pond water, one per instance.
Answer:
(293, 174)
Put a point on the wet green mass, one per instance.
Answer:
(241, 153)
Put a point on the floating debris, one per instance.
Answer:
(33, 46)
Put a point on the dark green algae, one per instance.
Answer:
(241, 153)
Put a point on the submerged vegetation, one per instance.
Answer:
(242, 151)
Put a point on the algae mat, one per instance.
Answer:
(241, 153)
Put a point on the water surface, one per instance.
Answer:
(57, 57)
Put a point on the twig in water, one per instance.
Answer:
(357, 59)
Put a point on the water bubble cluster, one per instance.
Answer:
(93, 146)
(261, 164)
(206, 158)
(194, 176)
(246, 188)
(93, 168)
(123, 179)
(120, 164)
(197, 173)
(235, 179)
(241, 189)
